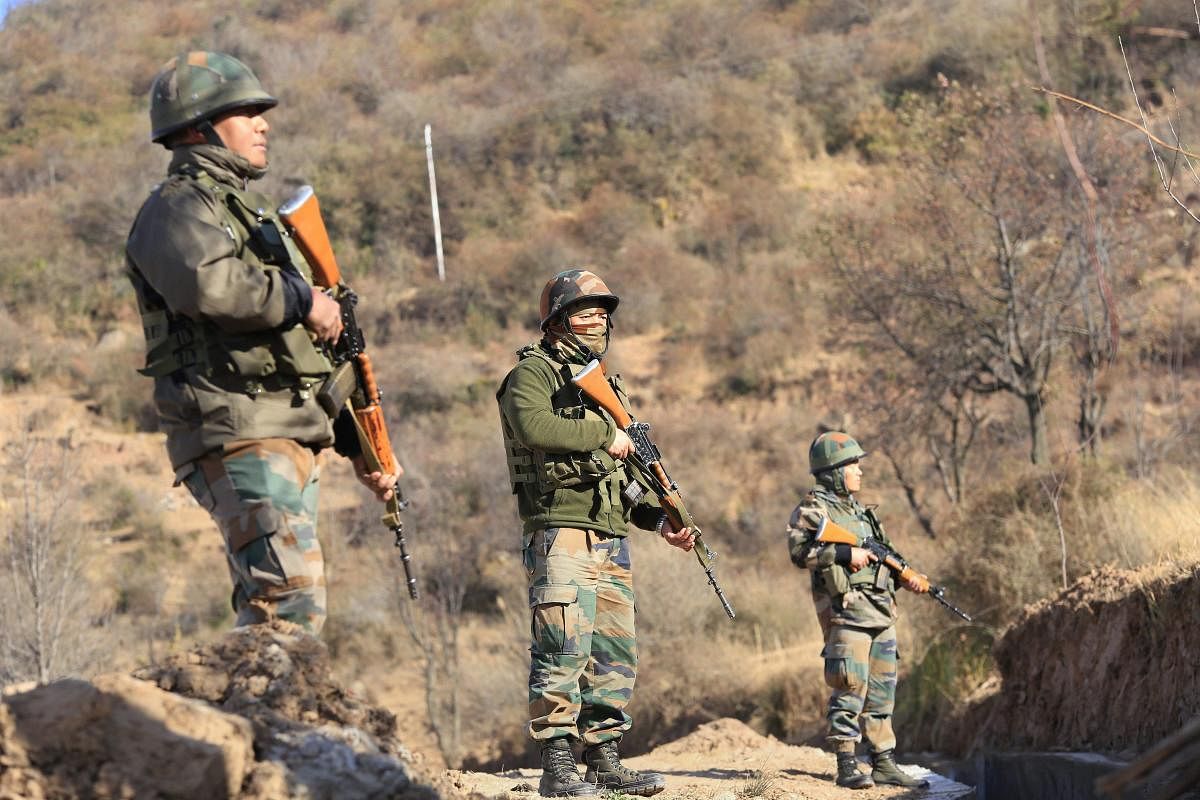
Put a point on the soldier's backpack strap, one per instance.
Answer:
(267, 239)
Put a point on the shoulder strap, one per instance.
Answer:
(564, 372)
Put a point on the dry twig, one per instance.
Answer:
(1090, 195)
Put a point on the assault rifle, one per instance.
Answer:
(831, 533)
(646, 459)
(353, 379)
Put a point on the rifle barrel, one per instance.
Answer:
(939, 593)
(705, 557)
(392, 519)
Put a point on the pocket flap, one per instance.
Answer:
(836, 650)
(555, 593)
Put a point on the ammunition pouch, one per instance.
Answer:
(835, 580)
(171, 344)
(562, 471)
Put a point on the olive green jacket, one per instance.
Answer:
(222, 304)
(555, 444)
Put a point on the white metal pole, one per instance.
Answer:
(437, 217)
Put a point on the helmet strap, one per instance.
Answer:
(210, 133)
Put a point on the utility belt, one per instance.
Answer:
(305, 387)
(559, 471)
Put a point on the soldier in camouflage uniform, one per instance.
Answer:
(855, 600)
(565, 459)
(231, 322)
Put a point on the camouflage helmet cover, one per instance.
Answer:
(572, 287)
(198, 86)
(833, 449)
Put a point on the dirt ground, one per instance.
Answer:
(724, 760)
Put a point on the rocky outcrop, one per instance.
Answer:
(255, 715)
(119, 737)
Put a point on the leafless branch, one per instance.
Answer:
(1151, 140)
(1124, 120)
(43, 589)
(1091, 197)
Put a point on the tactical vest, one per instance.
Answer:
(248, 362)
(835, 579)
(551, 471)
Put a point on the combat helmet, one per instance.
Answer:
(831, 450)
(570, 288)
(195, 87)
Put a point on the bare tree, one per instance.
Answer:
(976, 281)
(43, 586)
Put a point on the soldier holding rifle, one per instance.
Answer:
(234, 332)
(855, 598)
(576, 498)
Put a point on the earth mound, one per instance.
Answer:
(1127, 637)
(726, 735)
(255, 715)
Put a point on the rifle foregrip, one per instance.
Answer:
(375, 429)
(674, 512)
(908, 573)
(367, 372)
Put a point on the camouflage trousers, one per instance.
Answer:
(860, 668)
(583, 656)
(262, 494)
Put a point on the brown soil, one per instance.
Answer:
(1126, 637)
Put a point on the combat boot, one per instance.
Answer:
(604, 768)
(886, 771)
(848, 774)
(560, 777)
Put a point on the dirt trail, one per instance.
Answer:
(725, 760)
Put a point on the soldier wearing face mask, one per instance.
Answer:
(565, 459)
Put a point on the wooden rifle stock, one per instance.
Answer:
(302, 214)
(591, 379)
(646, 458)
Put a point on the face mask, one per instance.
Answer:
(591, 326)
(595, 341)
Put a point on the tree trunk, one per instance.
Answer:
(1039, 450)
(1091, 412)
